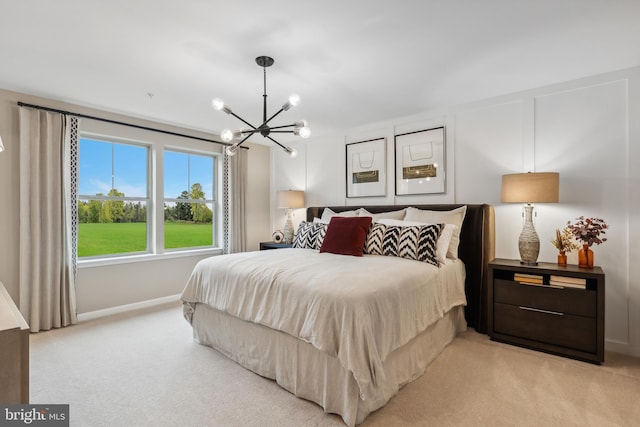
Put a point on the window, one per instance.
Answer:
(189, 212)
(112, 198)
(127, 207)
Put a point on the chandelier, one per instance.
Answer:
(299, 128)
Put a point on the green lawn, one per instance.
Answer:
(115, 238)
(186, 235)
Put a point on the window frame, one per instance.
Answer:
(214, 201)
(147, 199)
(157, 143)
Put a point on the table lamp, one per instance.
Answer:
(289, 200)
(529, 188)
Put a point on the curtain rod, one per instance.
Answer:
(101, 119)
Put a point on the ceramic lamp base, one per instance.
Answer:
(529, 243)
(288, 229)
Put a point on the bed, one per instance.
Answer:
(323, 325)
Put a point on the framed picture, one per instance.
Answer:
(366, 163)
(420, 162)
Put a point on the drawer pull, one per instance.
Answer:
(556, 313)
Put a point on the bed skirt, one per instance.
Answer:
(303, 370)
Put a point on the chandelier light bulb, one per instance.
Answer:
(304, 132)
(294, 99)
(231, 150)
(217, 104)
(291, 102)
(292, 152)
(226, 135)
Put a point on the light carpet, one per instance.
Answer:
(144, 369)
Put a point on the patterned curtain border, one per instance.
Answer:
(74, 143)
(226, 190)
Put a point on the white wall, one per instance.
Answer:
(582, 129)
(102, 286)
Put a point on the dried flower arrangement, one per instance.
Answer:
(564, 242)
(588, 230)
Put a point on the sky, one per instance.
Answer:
(129, 165)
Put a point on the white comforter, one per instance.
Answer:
(358, 309)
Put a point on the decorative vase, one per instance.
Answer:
(585, 257)
(562, 258)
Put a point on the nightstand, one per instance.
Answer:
(547, 307)
(273, 245)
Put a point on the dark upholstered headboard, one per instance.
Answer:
(477, 248)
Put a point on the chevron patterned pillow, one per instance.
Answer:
(412, 242)
(375, 237)
(322, 231)
(310, 235)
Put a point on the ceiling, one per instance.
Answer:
(352, 62)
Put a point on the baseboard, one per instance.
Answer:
(83, 317)
(618, 347)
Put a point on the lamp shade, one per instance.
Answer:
(532, 187)
(291, 199)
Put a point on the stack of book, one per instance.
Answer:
(568, 282)
(528, 279)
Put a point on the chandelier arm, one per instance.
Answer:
(243, 140)
(280, 145)
(243, 120)
(271, 118)
(280, 131)
(283, 126)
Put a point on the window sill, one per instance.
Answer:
(128, 259)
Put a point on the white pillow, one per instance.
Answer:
(328, 213)
(455, 217)
(399, 215)
(444, 240)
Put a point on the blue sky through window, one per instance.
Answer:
(182, 170)
(103, 164)
(106, 164)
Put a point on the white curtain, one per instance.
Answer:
(234, 187)
(48, 143)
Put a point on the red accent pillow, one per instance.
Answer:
(346, 235)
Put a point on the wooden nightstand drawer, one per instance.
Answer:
(580, 302)
(567, 320)
(554, 328)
